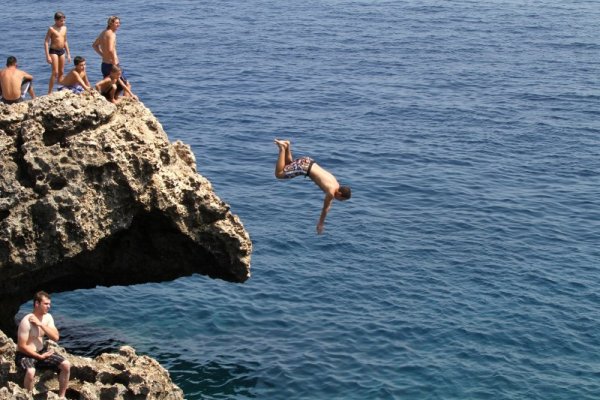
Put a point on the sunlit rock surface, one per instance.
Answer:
(95, 194)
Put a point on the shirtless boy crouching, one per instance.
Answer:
(113, 86)
(76, 80)
(32, 351)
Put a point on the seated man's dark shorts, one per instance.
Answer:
(24, 362)
(9, 102)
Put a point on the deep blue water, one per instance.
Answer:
(466, 264)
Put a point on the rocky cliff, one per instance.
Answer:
(95, 194)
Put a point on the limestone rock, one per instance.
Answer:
(108, 376)
(95, 194)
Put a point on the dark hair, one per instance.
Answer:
(345, 192)
(78, 59)
(59, 15)
(115, 68)
(11, 60)
(39, 296)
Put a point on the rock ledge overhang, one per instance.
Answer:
(93, 193)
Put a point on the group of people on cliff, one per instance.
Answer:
(14, 83)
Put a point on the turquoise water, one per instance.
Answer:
(466, 264)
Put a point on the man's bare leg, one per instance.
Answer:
(284, 158)
(280, 164)
(288, 152)
(61, 68)
(29, 377)
(31, 91)
(63, 378)
(53, 73)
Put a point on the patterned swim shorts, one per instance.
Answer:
(300, 166)
(24, 362)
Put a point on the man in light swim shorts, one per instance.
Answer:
(76, 80)
(32, 351)
(287, 167)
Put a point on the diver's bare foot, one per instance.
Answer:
(282, 143)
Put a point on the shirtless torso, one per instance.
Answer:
(77, 76)
(11, 80)
(324, 179)
(107, 47)
(106, 42)
(57, 37)
(35, 335)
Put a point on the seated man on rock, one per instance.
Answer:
(14, 83)
(32, 351)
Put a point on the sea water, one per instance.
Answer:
(466, 264)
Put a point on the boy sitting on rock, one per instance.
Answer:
(113, 86)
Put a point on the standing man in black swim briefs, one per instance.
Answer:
(56, 46)
(11, 81)
(287, 168)
(32, 351)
